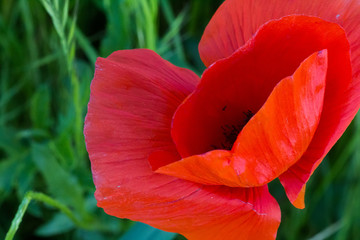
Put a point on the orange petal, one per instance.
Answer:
(236, 21)
(273, 140)
(299, 201)
(241, 83)
(133, 96)
(197, 212)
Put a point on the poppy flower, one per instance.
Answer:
(194, 156)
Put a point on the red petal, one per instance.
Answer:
(273, 140)
(197, 212)
(236, 21)
(278, 135)
(160, 158)
(243, 82)
(133, 96)
(340, 107)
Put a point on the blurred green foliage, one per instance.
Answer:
(47, 54)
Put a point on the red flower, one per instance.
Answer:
(195, 156)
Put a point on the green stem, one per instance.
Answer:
(41, 198)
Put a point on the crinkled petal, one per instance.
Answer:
(133, 97)
(237, 20)
(272, 141)
(234, 86)
(243, 82)
(196, 211)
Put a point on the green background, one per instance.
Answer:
(47, 53)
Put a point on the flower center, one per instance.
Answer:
(230, 132)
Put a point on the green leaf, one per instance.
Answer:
(61, 184)
(7, 174)
(57, 225)
(8, 141)
(26, 176)
(81, 234)
(40, 113)
(141, 231)
(85, 45)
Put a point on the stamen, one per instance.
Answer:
(248, 115)
(231, 131)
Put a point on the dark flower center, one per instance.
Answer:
(231, 131)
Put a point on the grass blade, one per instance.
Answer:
(29, 196)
